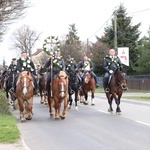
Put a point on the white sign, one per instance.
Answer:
(123, 54)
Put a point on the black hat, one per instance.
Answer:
(14, 59)
(68, 56)
(23, 52)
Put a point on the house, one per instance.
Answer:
(39, 57)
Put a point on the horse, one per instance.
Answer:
(42, 88)
(9, 94)
(58, 94)
(24, 94)
(73, 89)
(88, 85)
(117, 84)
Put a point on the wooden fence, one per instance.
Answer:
(138, 83)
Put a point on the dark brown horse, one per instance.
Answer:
(24, 94)
(58, 94)
(42, 88)
(88, 85)
(117, 85)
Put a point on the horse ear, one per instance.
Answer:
(28, 73)
(66, 77)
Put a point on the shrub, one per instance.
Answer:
(4, 105)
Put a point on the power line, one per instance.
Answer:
(100, 27)
(139, 11)
(112, 15)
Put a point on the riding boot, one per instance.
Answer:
(96, 80)
(105, 82)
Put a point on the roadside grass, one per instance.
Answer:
(142, 98)
(9, 132)
(132, 97)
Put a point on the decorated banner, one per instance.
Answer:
(123, 54)
(51, 44)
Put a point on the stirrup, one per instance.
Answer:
(107, 90)
(11, 90)
(97, 85)
(46, 93)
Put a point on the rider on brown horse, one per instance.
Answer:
(87, 65)
(57, 64)
(110, 64)
(24, 63)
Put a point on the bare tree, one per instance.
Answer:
(10, 10)
(24, 39)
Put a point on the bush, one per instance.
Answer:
(4, 105)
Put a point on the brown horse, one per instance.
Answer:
(58, 94)
(42, 88)
(88, 85)
(117, 85)
(24, 94)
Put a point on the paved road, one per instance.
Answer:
(89, 127)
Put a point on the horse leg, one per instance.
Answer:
(51, 104)
(118, 110)
(65, 109)
(92, 99)
(41, 95)
(29, 105)
(86, 97)
(70, 101)
(57, 111)
(76, 99)
(110, 98)
(21, 109)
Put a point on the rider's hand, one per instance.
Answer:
(110, 71)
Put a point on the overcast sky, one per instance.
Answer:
(52, 17)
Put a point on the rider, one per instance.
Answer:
(110, 64)
(71, 65)
(12, 72)
(56, 63)
(24, 63)
(87, 65)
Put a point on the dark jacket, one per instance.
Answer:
(112, 63)
(70, 65)
(83, 65)
(26, 65)
(12, 68)
(57, 65)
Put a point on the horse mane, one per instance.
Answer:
(23, 74)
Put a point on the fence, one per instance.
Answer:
(134, 82)
(138, 83)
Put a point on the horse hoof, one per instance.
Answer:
(85, 103)
(28, 118)
(118, 113)
(110, 110)
(51, 114)
(76, 107)
(23, 120)
(41, 102)
(69, 106)
(93, 104)
(62, 117)
(57, 118)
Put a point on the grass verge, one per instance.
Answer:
(9, 132)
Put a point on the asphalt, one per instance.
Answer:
(20, 144)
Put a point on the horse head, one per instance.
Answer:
(87, 77)
(62, 81)
(25, 80)
(120, 77)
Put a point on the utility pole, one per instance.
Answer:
(87, 45)
(115, 31)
